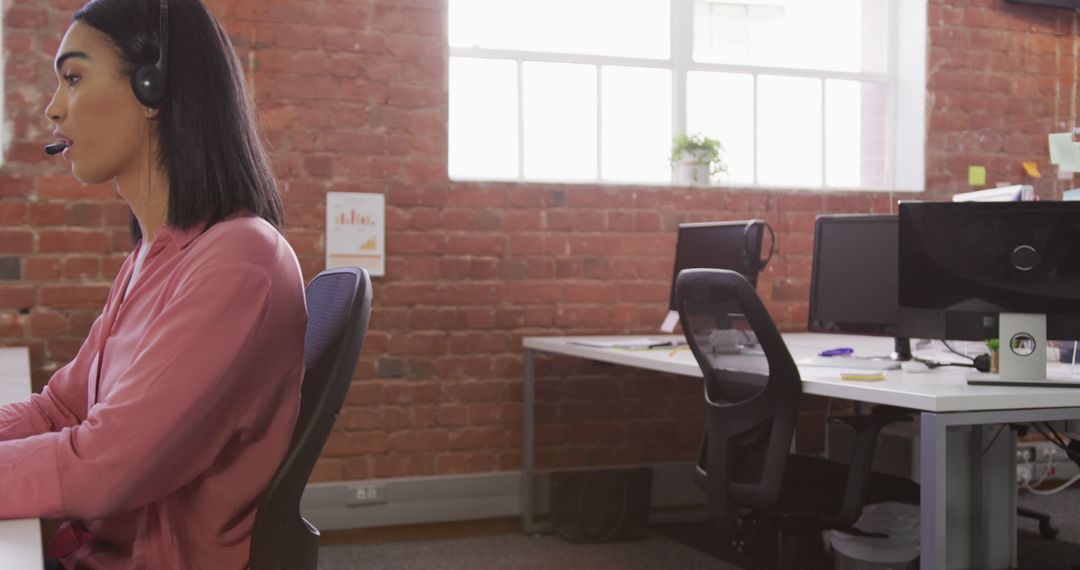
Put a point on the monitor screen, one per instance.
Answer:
(735, 246)
(854, 275)
(963, 263)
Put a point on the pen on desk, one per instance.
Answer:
(664, 344)
(843, 351)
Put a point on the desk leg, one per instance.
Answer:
(528, 403)
(932, 468)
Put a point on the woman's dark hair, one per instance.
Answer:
(209, 145)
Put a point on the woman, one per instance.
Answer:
(158, 439)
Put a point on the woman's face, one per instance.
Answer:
(95, 110)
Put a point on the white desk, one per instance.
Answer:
(20, 540)
(942, 395)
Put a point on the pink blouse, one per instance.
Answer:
(160, 457)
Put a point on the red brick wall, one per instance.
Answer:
(352, 97)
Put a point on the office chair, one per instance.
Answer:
(339, 305)
(744, 463)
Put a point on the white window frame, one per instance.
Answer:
(905, 78)
(6, 129)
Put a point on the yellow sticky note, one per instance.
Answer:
(976, 175)
(863, 377)
(1032, 169)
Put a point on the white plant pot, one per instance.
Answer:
(691, 172)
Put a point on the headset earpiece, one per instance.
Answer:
(757, 264)
(148, 81)
(149, 85)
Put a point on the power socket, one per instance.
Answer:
(1023, 474)
(369, 494)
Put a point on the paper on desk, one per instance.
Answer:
(1064, 152)
(631, 343)
(670, 321)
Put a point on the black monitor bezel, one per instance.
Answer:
(862, 328)
(751, 272)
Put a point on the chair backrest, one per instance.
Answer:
(339, 306)
(749, 415)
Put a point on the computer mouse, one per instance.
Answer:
(914, 367)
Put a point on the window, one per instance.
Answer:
(6, 132)
(826, 94)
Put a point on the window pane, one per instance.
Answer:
(483, 122)
(560, 121)
(835, 35)
(789, 127)
(594, 27)
(636, 124)
(855, 134)
(721, 106)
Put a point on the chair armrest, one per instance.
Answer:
(867, 428)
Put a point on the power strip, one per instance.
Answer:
(1033, 459)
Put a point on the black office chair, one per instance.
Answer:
(744, 463)
(339, 305)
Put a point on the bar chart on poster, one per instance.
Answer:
(356, 231)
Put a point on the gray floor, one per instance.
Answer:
(519, 552)
(1062, 553)
(1063, 507)
(656, 552)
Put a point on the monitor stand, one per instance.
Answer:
(1022, 355)
(901, 349)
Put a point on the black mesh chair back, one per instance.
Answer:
(749, 416)
(339, 305)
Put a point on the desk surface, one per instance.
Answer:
(20, 540)
(942, 389)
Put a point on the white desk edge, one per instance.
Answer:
(20, 540)
(940, 390)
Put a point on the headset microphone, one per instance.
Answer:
(55, 148)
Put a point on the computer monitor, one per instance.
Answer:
(853, 279)
(966, 269)
(735, 246)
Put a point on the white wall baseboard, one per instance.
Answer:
(449, 498)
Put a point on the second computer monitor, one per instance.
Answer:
(963, 264)
(735, 246)
(853, 280)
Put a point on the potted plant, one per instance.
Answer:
(993, 344)
(694, 158)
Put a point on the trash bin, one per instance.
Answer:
(900, 551)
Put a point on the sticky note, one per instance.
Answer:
(1064, 152)
(863, 377)
(1032, 169)
(976, 175)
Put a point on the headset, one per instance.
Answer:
(756, 264)
(148, 81)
